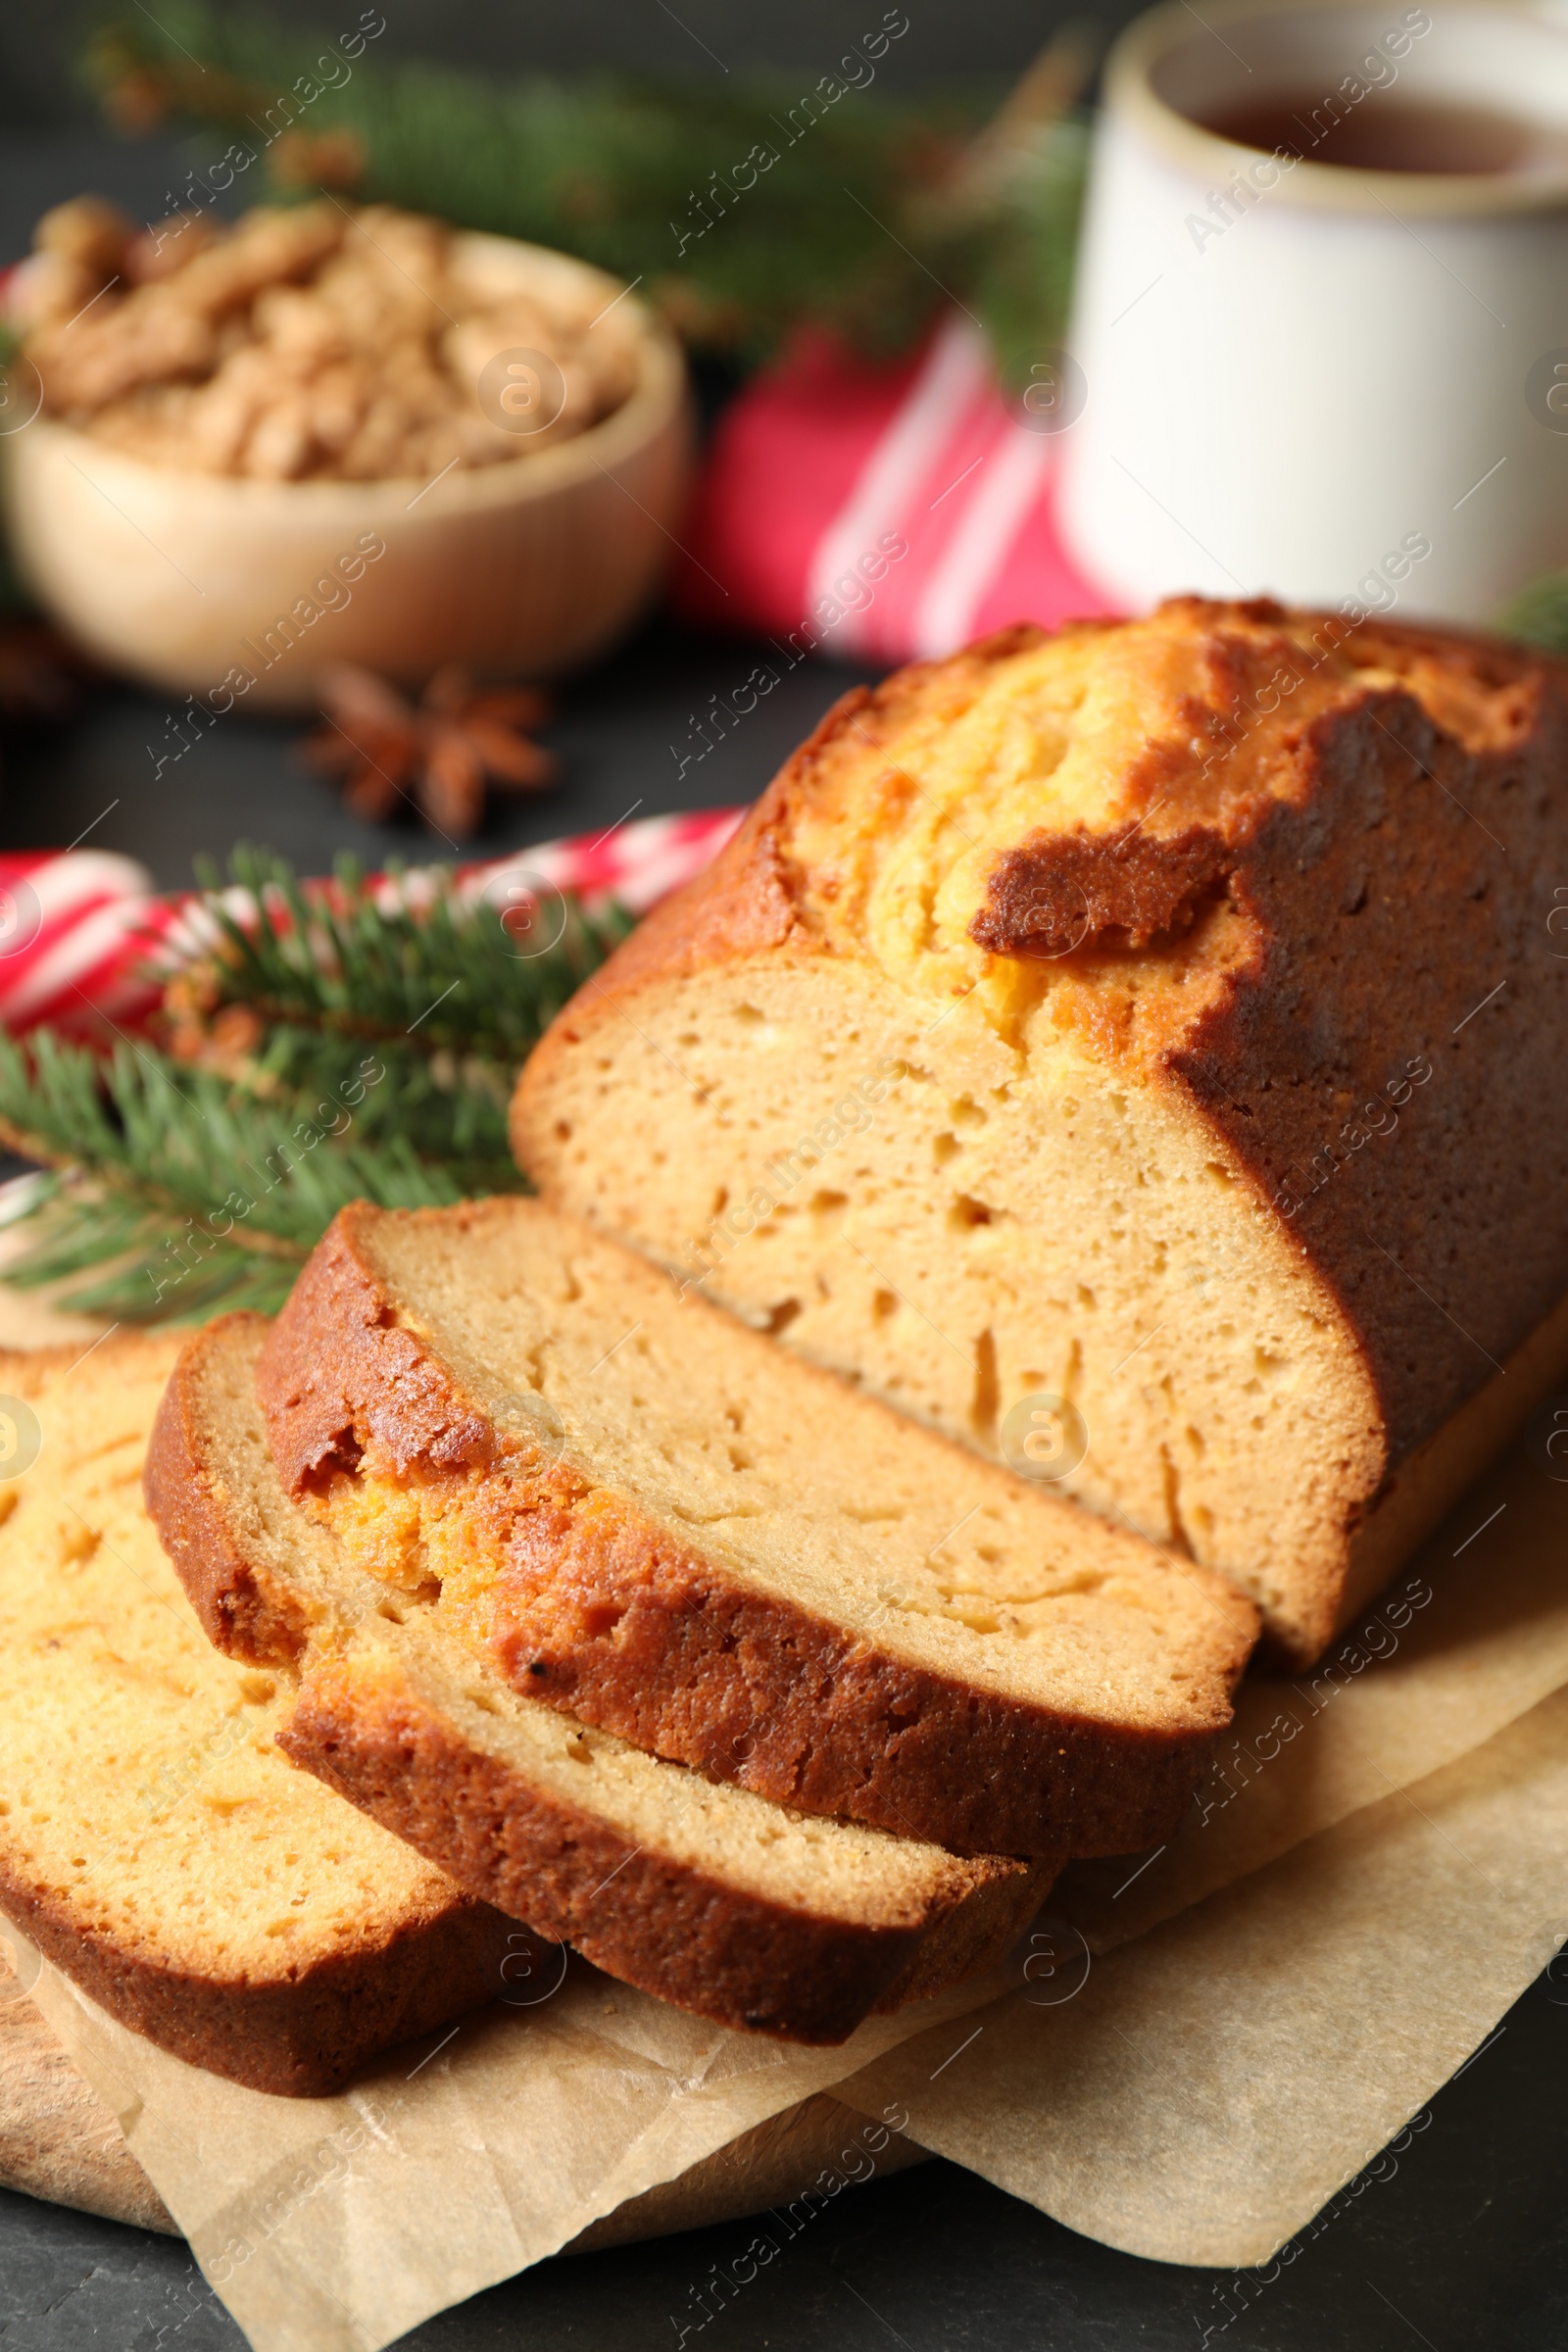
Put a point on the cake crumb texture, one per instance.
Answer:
(152, 1840)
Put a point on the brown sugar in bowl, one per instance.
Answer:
(227, 588)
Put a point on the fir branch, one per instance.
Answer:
(122, 1242)
(450, 1109)
(436, 984)
(191, 1184)
(328, 1048)
(745, 209)
(445, 977)
(1020, 268)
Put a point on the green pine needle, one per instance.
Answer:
(200, 1191)
(449, 977)
(181, 1189)
(746, 208)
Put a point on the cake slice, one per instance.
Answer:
(704, 1894)
(1168, 1016)
(153, 1842)
(645, 1513)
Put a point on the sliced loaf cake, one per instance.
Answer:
(1167, 1017)
(704, 1894)
(153, 1842)
(654, 1518)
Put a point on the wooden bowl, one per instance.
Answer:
(194, 581)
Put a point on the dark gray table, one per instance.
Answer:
(619, 732)
(1465, 2249)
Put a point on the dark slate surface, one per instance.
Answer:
(622, 733)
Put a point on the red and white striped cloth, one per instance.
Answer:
(822, 462)
(82, 931)
(73, 928)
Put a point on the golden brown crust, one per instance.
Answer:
(1056, 893)
(646, 1917)
(604, 1613)
(298, 2037)
(337, 1373)
(753, 898)
(243, 1613)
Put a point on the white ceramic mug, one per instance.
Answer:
(1325, 382)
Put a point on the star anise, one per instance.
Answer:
(437, 754)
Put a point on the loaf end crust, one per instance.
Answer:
(303, 2037)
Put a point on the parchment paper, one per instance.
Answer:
(1143, 2107)
(1463, 1642)
(1214, 2083)
(337, 2225)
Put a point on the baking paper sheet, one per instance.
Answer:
(1469, 1637)
(336, 2224)
(1197, 2093)
(1201, 2094)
